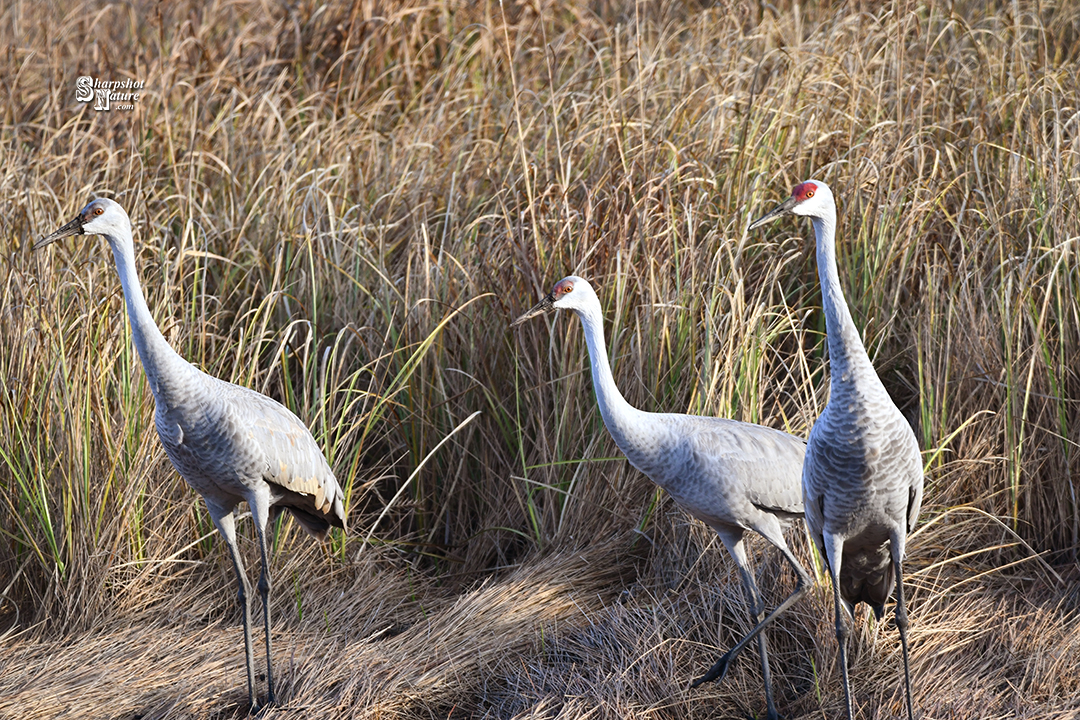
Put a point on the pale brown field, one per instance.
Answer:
(344, 207)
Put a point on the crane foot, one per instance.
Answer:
(716, 672)
(257, 709)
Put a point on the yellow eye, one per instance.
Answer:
(98, 211)
(809, 194)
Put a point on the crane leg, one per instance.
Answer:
(902, 620)
(766, 674)
(733, 541)
(774, 534)
(223, 519)
(757, 613)
(834, 547)
(842, 633)
(261, 511)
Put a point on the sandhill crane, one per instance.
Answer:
(731, 475)
(229, 443)
(863, 476)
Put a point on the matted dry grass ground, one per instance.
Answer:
(566, 635)
(344, 206)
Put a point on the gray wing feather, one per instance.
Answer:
(769, 459)
(915, 495)
(290, 457)
(812, 496)
(721, 470)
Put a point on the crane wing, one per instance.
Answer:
(759, 464)
(814, 496)
(915, 493)
(291, 459)
(778, 485)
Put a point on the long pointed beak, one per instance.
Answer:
(544, 306)
(779, 211)
(72, 228)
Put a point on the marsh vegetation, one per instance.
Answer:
(344, 207)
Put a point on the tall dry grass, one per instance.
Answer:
(343, 207)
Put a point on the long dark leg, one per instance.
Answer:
(719, 670)
(756, 605)
(834, 549)
(733, 541)
(842, 633)
(902, 624)
(766, 674)
(264, 592)
(225, 525)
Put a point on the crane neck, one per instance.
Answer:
(849, 365)
(619, 416)
(154, 351)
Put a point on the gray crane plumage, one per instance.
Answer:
(731, 475)
(230, 443)
(863, 475)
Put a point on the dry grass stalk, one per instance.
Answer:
(323, 198)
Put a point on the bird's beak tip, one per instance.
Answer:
(72, 228)
(522, 319)
(545, 305)
(779, 211)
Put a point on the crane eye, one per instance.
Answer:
(809, 194)
(98, 211)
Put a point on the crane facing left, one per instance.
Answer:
(231, 444)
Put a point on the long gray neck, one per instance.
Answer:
(849, 364)
(156, 354)
(619, 416)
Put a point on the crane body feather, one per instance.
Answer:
(704, 464)
(858, 484)
(733, 476)
(229, 443)
(225, 440)
(862, 476)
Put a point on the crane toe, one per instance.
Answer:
(717, 672)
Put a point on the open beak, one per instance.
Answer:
(544, 306)
(780, 210)
(72, 228)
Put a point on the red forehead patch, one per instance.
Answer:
(562, 287)
(804, 191)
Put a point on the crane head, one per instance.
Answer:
(571, 293)
(100, 217)
(812, 198)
